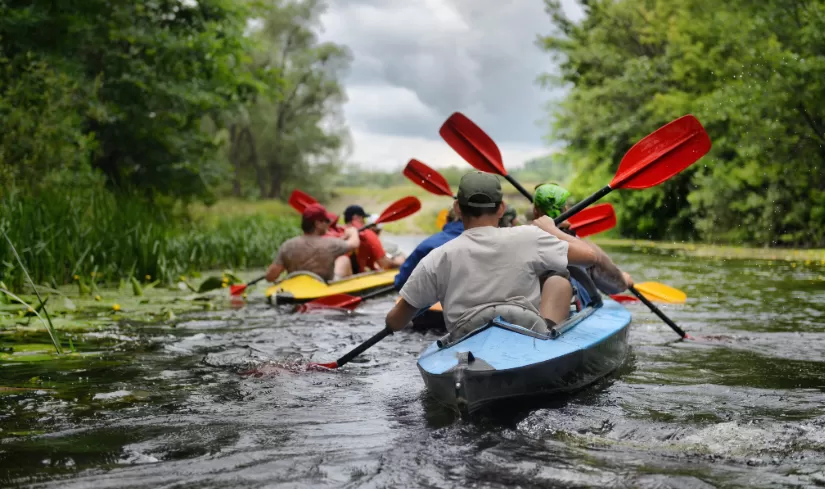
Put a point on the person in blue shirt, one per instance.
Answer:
(450, 231)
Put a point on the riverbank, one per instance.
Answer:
(809, 257)
(90, 231)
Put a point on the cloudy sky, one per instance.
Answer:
(418, 61)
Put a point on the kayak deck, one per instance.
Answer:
(302, 287)
(503, 360)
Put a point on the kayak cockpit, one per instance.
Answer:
(502, 360)
(555, 332)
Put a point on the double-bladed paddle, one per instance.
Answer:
(651, 161)
(300, 200)
(590, 221)
(657, 157)
(399, 209)
(477, 148)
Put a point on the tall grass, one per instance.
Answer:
(72, 232)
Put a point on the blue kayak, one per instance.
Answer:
(502, 360)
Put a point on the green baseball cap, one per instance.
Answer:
(551, 199)
(478, 189)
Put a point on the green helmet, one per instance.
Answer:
(551, 199)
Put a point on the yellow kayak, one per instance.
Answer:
(306, 286)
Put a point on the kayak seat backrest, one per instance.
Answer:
(514, 313)
(308, 274)
(555, 332)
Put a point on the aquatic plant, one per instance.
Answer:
(68, 236)
(49, 327)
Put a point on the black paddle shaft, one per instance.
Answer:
(364, 346)
(581, 205)
(518, 186)
(256, 280)
(657, 312)
(367, 344)
(377, 292)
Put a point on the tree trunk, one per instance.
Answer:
(234, 149)
(275, 173)
(252, 160)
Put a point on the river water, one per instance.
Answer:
(742, 405)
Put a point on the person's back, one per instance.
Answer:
(486, 265)
(313, 251)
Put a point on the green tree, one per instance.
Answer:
(128, 84)
(750, 70)
(292, 136)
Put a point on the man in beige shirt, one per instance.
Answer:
(312, 252)
(491, 265)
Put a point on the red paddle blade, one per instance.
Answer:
(427, 178)
(593, 220)
(332, 365)
(473, 144)
(237, 289)
(336, 301)
(662, 154)
(299, 201)
(623, 298)
(399, 210)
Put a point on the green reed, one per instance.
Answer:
(89, 233)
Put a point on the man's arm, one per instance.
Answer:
(275, 270)
(352, 239)
(578, 252)
(400, 315)
(606, 275)
(387, 263)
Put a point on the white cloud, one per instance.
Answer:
(388, 152)
(417, 61)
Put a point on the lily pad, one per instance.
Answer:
(211, 283)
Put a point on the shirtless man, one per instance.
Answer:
(313, 252)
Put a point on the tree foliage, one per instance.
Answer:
(293, 134)
(750, 70)
(121, 86)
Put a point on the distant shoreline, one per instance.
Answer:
(722, 251)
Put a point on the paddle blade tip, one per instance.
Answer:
(236, 289)
(322, 366)
(662, 154)
(472, 144)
